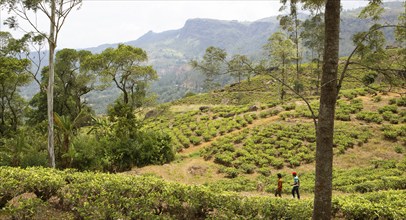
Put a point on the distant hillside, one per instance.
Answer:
(170, 51)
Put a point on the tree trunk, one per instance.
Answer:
(318, 76)
(282, 95)
(325, 128)
(297, 48)
(50, 91)
(125, 94)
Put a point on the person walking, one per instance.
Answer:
(278, 190)
(296, 184)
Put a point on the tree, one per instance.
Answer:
(291, 24)
(72, 82)
(281, 52)
(67, 129)
(125, 68)
(56, 12)
(383, 64)
(13, 75)
(215, 63)
(241, 67)
(312, 35)
(325, 125)
(212, 65)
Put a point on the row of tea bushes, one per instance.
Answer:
(113, 196)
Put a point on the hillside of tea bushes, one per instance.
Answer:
(230, 146)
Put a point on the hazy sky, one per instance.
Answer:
(112, 21)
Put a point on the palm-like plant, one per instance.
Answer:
(67, 129)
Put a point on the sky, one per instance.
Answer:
(115, 21)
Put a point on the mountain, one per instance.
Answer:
(170, 51)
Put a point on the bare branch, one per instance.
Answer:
(347, 63)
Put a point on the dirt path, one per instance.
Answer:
(255, 123)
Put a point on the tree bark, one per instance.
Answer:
(325, 128)
(50, 91)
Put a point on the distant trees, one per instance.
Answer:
(381, 62)
(212, 65)
(216, 63)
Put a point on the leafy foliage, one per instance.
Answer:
(104, 196)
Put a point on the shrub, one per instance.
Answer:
(388, 108)
(111, 196)
(340, 115)
(248, 168)
(392, 132)
(266, 171)
(377, 98)
(401, 101)
(231, 172)
(369, 117)
(195, 140)
(399, 149)
(289, 106)
(199, 132)
(277, 163)
(25, 208)
(225, 159)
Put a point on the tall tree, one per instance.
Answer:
(281, 53)
(292, 25)
(13, 75)
(212, 65)
(325, 126)
(56, 11)
(125, 67)
(312, 36)
(72, 82)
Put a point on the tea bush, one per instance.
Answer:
(117, 196)
(278, 145)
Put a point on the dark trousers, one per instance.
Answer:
(295, 189)
(278, 192)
